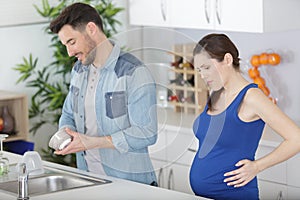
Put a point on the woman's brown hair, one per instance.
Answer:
(216, 46)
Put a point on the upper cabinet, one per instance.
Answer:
(230, 15)
(192, 14)
(149, 13)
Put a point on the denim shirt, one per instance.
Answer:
(125, 106)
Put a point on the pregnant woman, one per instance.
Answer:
(231, 125)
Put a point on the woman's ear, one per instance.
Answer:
(228, 59)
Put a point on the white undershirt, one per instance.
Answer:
(92, 156)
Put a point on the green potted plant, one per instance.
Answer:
(51, 82)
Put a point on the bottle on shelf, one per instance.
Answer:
(8, 121)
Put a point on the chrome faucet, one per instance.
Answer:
(22, 182)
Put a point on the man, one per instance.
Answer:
(110, 110)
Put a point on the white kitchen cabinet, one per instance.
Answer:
(172, 156)
(293, 171)
(257, 15)
(281, 181)
(195, 14)
(275, 174)
(172, 176)
(242, 15)
(217, 14)
(230, 15)
(293, 177)
(269, 190)
(149, 13)
(293, 193)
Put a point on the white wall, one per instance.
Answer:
(18, 42)
(283, 79)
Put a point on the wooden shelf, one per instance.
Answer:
(18, 108)
(187, 88)
(184, 70)
(194, 96)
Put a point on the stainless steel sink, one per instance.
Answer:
(52, 181)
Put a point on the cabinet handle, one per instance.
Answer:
(218, 11)
(280, 196)
(160, 178)
(171, 180)
(192, 150)
(163, 9)
(206, 12)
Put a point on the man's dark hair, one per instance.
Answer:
(76, 15)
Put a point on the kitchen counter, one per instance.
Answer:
(168, 117)
(118, 189)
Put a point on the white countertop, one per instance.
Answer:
(167, 117)
(118, 189)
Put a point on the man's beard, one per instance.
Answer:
(90, 58)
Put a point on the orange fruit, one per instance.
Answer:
(253, 72)
(266, 90)
(264, 58)
(255, 60)
(259, 81)
(274, 59)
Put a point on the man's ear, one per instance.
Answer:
(228, 59)
(91, 28)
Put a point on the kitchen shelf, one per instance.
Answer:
(188, 92)
(18, 108)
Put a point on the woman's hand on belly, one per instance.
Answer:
(244, 174)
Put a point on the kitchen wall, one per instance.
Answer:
(151, 45)
(282, 79)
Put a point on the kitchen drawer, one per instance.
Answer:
(293, 193)
(293, 171)
(269, 190)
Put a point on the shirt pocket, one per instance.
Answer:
(75, 96)
(115, 104)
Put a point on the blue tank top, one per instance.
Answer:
(224, 139)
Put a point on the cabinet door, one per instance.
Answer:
(178, 178)
(232, 15)
(149, 13)
(181, 144)
(293, 175)
(161, 171)
(192, 14)
(293, 193)
(269, 190)
(277, 173)
(158, 150)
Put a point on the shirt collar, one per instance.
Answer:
(111, 60)
(113, 57)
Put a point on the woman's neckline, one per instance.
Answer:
(229, 105)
